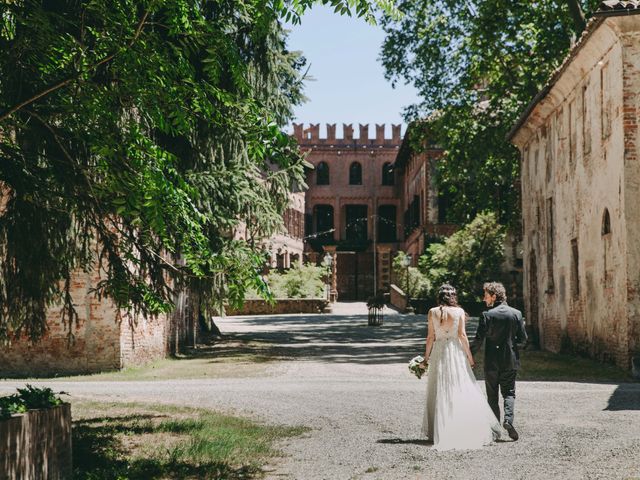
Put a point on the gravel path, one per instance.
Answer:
(350, 384)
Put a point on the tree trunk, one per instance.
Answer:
(577, 15)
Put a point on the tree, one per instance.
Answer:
(476, 66)
(134, 137)
(468, 258)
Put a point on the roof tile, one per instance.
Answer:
(608, 5)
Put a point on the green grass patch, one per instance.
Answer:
(136, 441)
(540, 365)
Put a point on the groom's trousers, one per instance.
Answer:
(505, 381)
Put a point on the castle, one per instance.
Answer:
(367, 199)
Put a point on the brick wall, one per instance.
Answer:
(282, 306)
(102, 340)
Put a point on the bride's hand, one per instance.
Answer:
(472, 362)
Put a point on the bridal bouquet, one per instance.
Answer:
(415, 366)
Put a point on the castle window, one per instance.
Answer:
(322, 174)
(606, 222)
(324, 222)
(575, 269)
(387, 223)
(356, 228)
(355, 174)
(387, 174)
(550, 245)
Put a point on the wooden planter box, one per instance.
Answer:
(37, 445)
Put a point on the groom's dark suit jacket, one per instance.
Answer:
(502, 330)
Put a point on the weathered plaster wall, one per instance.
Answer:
(575, 167)
(629, 29)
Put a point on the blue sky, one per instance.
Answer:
(349, 85)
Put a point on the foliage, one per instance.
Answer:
(476, 66)
(467, 259)
(306, 281)
(28, 398)
(135, 137)
(410, 279)
(376, 301)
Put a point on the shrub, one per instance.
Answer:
(467, 259)
(418, 284)
(306, 281)
(28, 398)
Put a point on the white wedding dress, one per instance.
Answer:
(457, 415)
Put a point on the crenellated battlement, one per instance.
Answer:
(311, 135)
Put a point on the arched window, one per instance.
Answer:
(387, 174)
(606, 222)
(322, 174)
(355, 174)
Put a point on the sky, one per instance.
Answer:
(349, 85)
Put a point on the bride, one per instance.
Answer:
(457, 415)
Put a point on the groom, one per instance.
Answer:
(502, 329)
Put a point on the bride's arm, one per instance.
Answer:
(462, 335)
(431, 336)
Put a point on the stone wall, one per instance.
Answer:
(282, 306)
(398, 298)
(579, 198)
(103, 339)
(37, 445)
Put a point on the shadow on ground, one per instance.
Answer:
(100, 451)
(328, 338)
(349, 339)
(625, 397)
(403, 441)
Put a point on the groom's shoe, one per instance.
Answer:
(513, 435)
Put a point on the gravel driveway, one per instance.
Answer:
(350, 384)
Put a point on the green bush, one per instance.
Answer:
(306, 281)
(28, 398)
(467, 259)
(418, 285)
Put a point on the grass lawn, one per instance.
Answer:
(540, 365)
(138, 441)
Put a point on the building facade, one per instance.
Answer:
(580, 188)
(424, 208)
(360, 206)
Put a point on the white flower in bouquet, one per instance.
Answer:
(416, 367)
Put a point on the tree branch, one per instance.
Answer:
(577, 15)
(52, 88)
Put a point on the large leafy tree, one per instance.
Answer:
(135, 136)
(467, 258)
(476, 65)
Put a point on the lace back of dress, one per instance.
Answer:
(440, 329)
